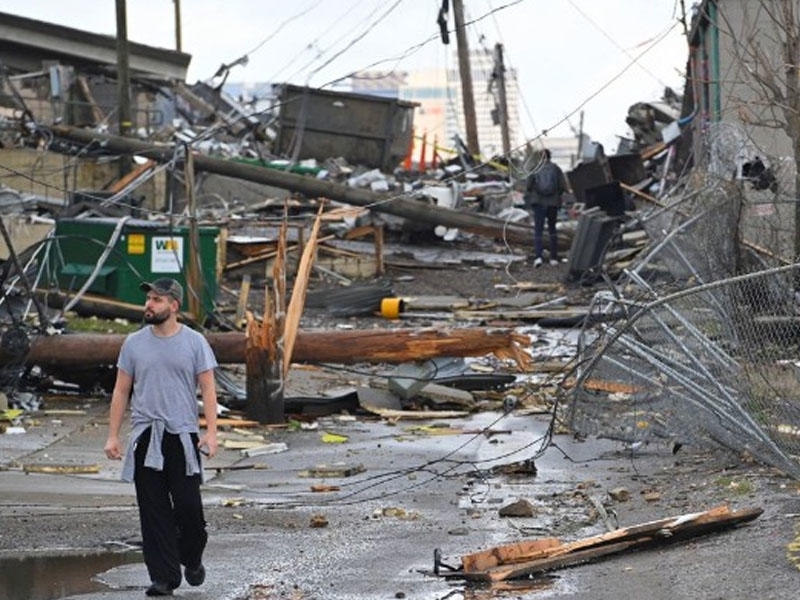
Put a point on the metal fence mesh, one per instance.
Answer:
(699, 339)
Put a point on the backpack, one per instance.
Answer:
(546, 181)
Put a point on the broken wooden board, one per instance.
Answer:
(231, 421)
(520, 315)
(528, 557)
(332, 471)
(604, 385)
(531, 286)
(523, 300)
(415, 415)
(61, 469)
(527, 550)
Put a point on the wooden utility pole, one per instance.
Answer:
(500, 78)
(194, 277)
(315, 346)
(123, 73)
(464, 70)
(123, 82)
(399, 206)
(177, 25)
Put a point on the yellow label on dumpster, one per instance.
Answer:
(136, 243)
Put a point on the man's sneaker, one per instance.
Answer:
(195, 576)
(158, 588)
(553, 262)
(538, 262)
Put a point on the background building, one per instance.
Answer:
(440, 115)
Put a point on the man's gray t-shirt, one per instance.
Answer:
(164, 372)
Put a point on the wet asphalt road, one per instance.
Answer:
(418, 492)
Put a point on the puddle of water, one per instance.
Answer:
(48, 577)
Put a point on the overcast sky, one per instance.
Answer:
(599, 56)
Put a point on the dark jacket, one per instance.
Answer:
(532, 196)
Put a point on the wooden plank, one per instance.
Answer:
(550, 563)
(194, 277)
(485, 559)
(521, 315)
(61, 469)
(662, 530)
(241, 305)
(129, 177)
(414, 415)
(236, 422)
(298, 300)
(641, 194)
(86, 91)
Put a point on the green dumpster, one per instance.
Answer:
(143, 251)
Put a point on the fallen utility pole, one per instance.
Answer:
(395, 205)
(344, 347)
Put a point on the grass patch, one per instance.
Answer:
(738, 487)
(97, 325)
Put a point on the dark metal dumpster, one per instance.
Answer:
(365, 130)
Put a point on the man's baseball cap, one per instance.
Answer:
(164, 287)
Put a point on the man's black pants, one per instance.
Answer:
(170, 511)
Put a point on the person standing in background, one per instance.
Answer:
(543, 192)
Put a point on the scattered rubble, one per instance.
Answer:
(300, 243)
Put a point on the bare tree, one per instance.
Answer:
(762, 79)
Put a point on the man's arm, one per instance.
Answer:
(208, 391)
(119, 402)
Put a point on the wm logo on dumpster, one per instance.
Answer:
(166, 254)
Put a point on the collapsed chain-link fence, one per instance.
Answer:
(698, 340)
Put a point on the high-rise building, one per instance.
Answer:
(440, 115)
(485, 90)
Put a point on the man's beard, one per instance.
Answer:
(154, 318)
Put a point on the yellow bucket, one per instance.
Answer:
(391, 307)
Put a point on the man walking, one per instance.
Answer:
(162, 365)
(543, 193)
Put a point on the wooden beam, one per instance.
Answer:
(134, 173)
(241, 304)
(529, 557)
(83, 86)
(298, 300)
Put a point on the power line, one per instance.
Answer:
(354, 41)
(361, 24)
(312, 44)
(611, 39)
(282, 25)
